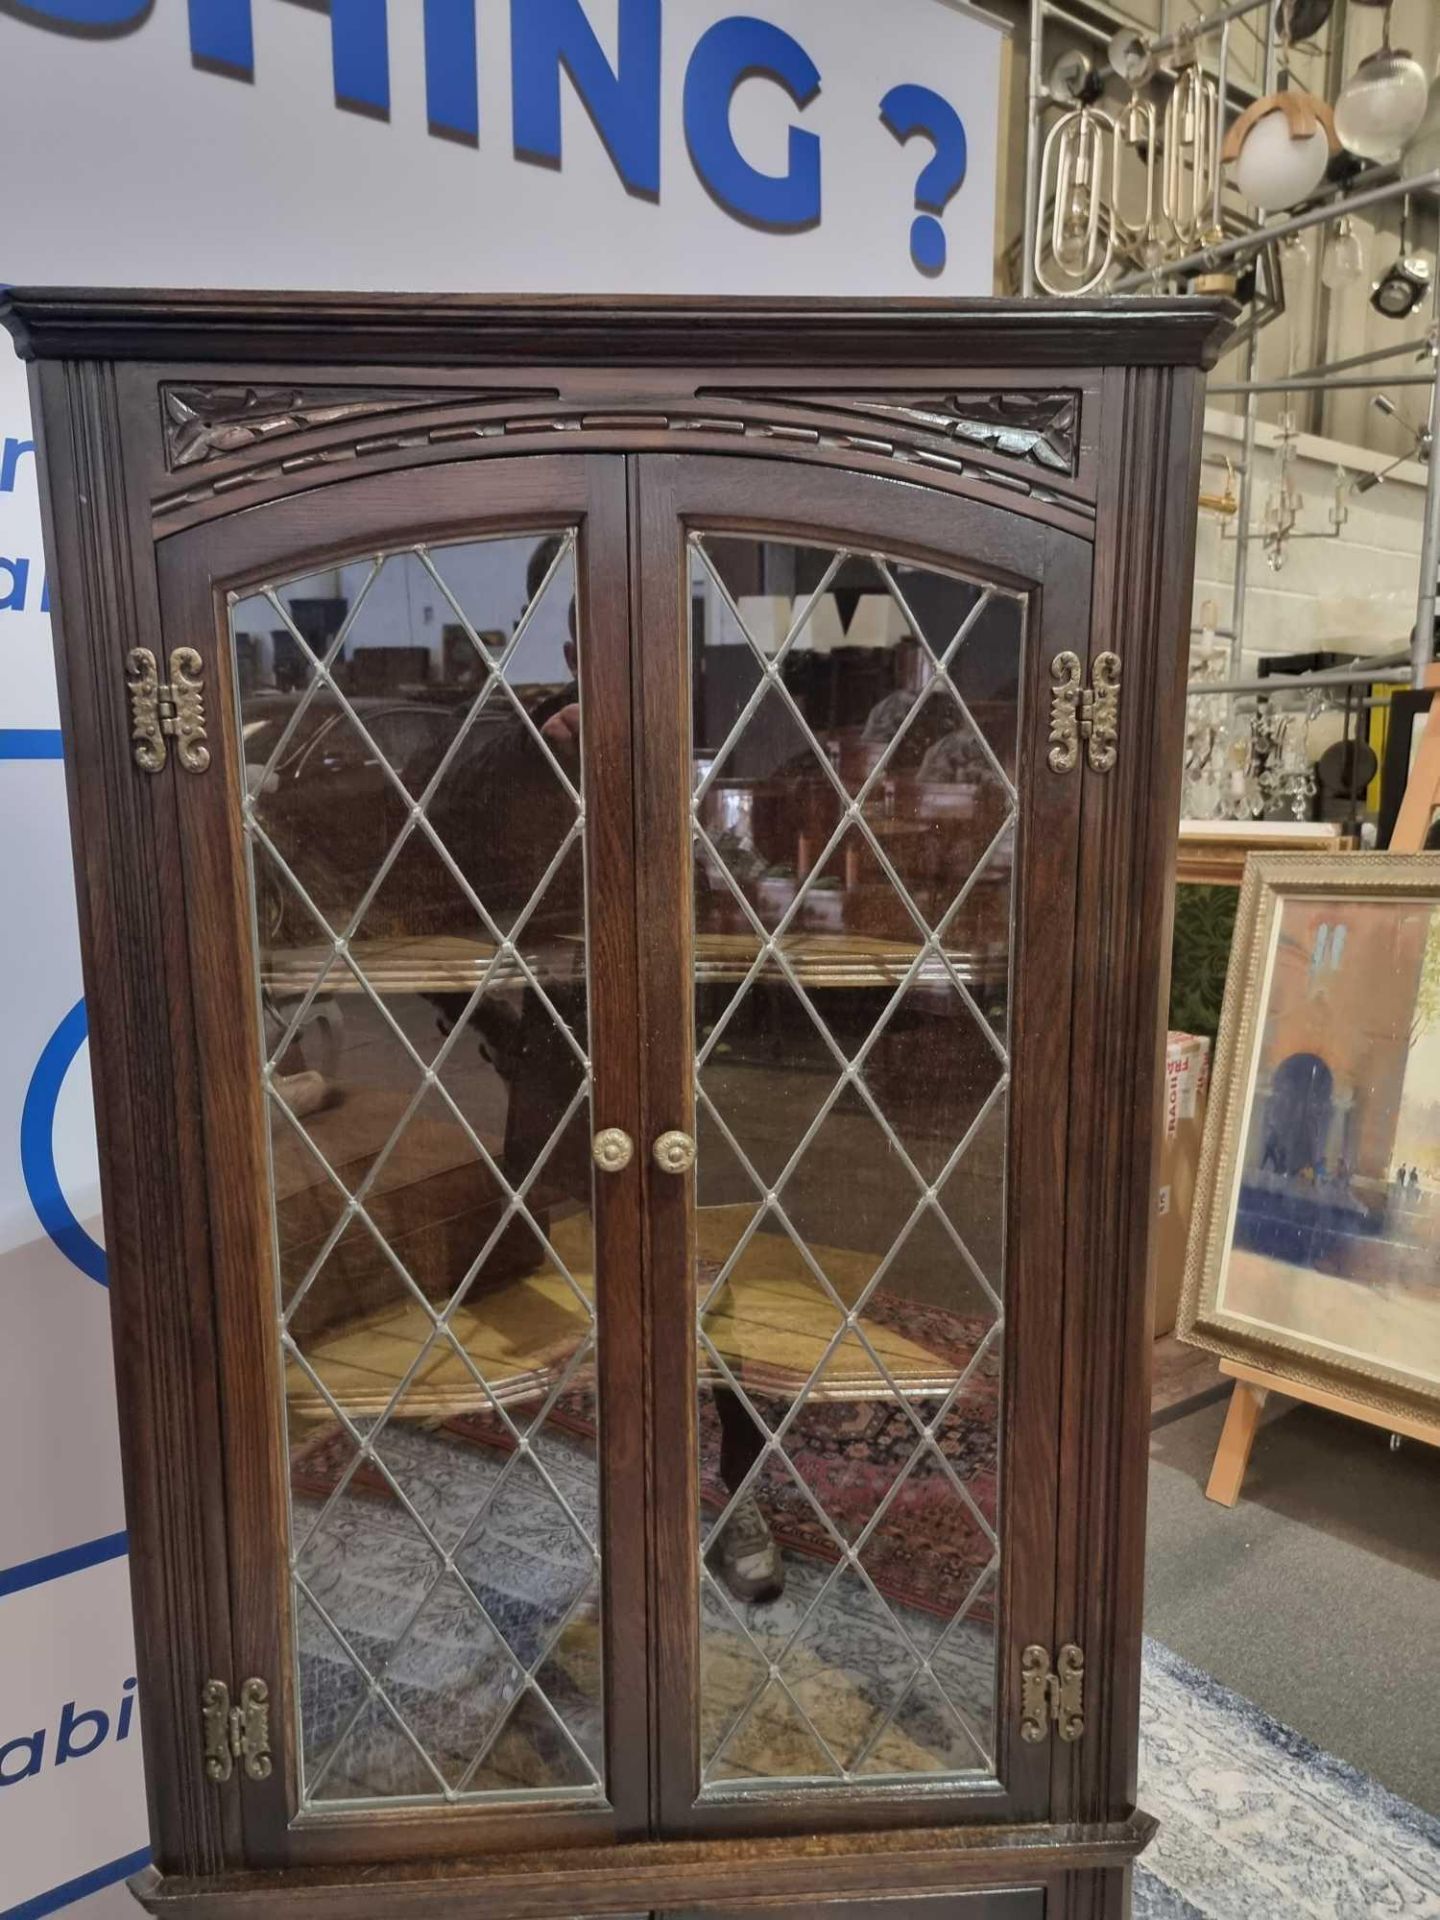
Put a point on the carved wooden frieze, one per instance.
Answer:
(1020, 441)
(202, 423)
(1042, 428)
(1036, 428)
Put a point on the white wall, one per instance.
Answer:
(1353, 594)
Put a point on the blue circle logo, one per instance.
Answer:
(37, 1147)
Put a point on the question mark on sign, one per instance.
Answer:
(906, 111)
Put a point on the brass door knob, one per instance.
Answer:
(613, 1150)
(674, 1153)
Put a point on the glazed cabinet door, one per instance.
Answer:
(408, 870)
(859, 874)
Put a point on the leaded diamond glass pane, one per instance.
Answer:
(412, 742)
(855, 735)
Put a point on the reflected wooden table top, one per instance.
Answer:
(770, 1323)
(449, 964)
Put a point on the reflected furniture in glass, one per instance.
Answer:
(623, 863)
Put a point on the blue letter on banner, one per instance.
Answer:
(624, 105)
(360, 51)
(732, 51)
(452, 88)
(222, 34)
(97, 1726)
(97, 17)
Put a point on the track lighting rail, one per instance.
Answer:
(1195, 30)
(1206, 258)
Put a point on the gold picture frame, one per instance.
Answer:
(1212, 853)
(1314, 1228)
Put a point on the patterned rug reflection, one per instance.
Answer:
(490, 1682)
(856, 1698)
(926, 1548)
(1256, 1821)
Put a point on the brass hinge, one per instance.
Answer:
(164, 710)
(1052, 1697)
(236, 1733)
(1078, 712)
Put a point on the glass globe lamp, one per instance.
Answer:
(1422, 154)
(1276, 163)
(1381, 105)
(1343, 263)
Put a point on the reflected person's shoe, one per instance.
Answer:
(747, 1557)
(303, 1093)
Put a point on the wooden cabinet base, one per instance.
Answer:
(849, 1874)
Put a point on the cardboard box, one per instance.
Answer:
(1187, 1082)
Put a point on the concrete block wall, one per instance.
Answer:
(1355, 593)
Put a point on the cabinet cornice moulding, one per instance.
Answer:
(443, 330)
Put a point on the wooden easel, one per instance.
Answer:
(1422, 790)
(1253, 1385)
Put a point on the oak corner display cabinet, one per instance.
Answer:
(623, 855)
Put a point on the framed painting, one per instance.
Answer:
(1315, 1244)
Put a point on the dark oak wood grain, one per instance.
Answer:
(801, 414)
(711, 1876)
(678, 495)
(143, 1069)
(390, 421)
(1144, 566)
(476, 330)
(1015, 1903)
(197, 572)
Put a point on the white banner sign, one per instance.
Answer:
(72, 1814)
(839, 147)
(638, 146)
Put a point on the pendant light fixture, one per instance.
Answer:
(1077, 167)
(1407, 280)
(1301, 19)
(1343, 262)
(1383, 102)
(1134, 189)
(1190, 159)
(1280, 147)
(1422, 155)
